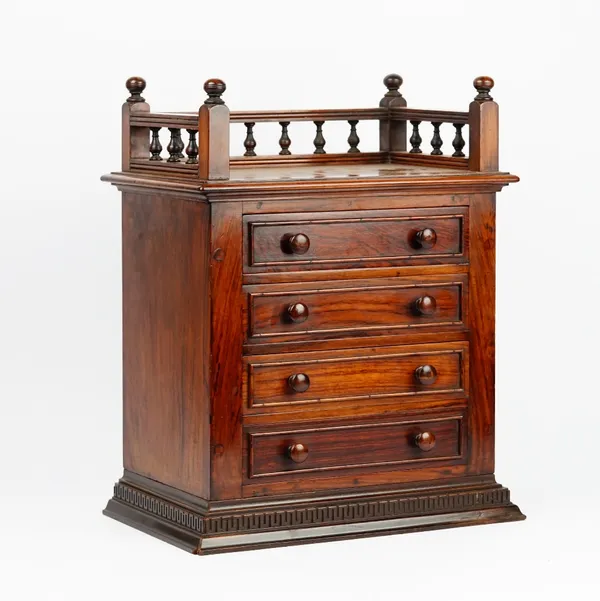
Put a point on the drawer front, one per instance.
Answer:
(362, 310)
(383, 445)
(386, 372)
(354, 238)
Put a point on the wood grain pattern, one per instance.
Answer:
(354, 238)
(367, 375)
(355, 446)
(226, 350)
(366, 309)
(165, 341)
(482, 300)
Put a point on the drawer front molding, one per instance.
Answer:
(353, 238)
(383, 373)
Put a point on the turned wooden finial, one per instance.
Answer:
(214, 88)
(392, 82)
(136, 85)
(483, 84)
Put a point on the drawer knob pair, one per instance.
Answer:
(425, 440)
(295, 244)
(425, 238)
(297, 452)
(426, 374)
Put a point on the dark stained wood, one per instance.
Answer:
(384, 444)
(319, 141)
(353, 139)
(284, 140)
(166, 341)
(458, 143)
(317, 240)
(192, 148)
(155, 145)
(380, 307)
(436, 141)
(249, 142)
(392, 131)
(226, 350)
(308, 339)
(482, 303)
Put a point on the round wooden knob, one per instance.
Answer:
(483, 84)
(297, 244)
(297, 452)
(425, 441)
(425, 238)
(135, 85)
(426, 374)
(214, 89)
(299, 382)
(297, 312)
(392, 82)
(425, 305)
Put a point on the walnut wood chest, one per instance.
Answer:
(308, 339)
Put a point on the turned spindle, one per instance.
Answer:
(284, 141)
(353, 139)
(155, 145)
(459, 142)
(436, 141)
(192, 148)
(415, 139)
(175, 146)
(319, 140)
(249, 142)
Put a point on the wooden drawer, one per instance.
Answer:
(386, 444)
(397, 373)
(362, 307)
(354, 239)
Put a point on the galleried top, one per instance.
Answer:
(191, 150)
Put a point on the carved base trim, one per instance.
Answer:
(202, 529)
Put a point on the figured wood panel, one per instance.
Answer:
(352, 446)
(226, 350)
(353, 238)
(365, 375)
(482, 300)
(166, 340)
(370, 309)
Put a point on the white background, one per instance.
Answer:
(62, 79)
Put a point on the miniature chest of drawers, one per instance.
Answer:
(308, 338)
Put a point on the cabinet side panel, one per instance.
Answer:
(482, 315)
(166, 329)
(226, 350)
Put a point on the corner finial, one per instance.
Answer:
(483, 84)
(136, 85)
(392, 82)
(214, 88)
